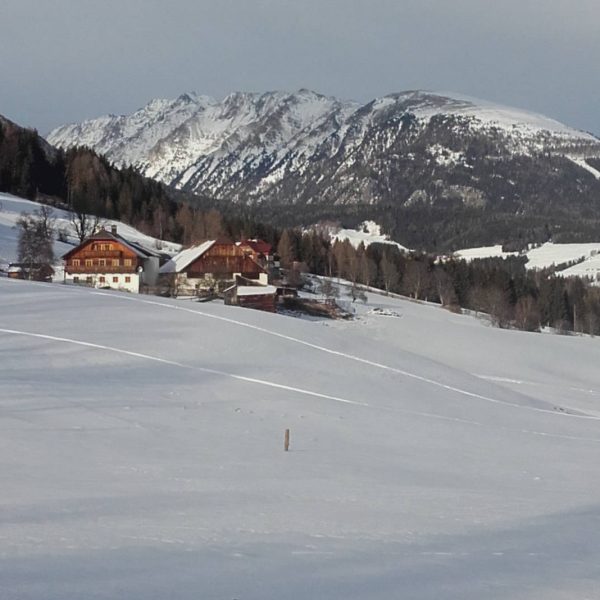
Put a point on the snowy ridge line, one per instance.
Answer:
(357, 359)
(182, 365)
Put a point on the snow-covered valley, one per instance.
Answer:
(432, 456)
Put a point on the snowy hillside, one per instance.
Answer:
(366, 233)
(431, 457)
(11, 208)
(545, 255)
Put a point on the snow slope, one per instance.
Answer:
(432, 457)
(496, 251)
(541, 257)
(549, 254)
(11, 208)
(367, 233)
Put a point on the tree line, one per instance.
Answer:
(504, 289)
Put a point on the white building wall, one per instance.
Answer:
(93, 279)
(150, 272)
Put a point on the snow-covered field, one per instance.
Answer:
(544, 256)
(432, 457)
(496, 251)
(368, 233)
(11, 208)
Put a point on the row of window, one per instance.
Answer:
(97, 247)
(102, 262)
(102, 279)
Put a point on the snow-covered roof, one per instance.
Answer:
(256, 290)
(185, 257)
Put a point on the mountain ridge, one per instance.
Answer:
(321, 157)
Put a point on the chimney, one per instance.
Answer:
(113, 229)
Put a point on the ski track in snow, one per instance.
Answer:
(354, 358)
(181, 365)
(272, 384)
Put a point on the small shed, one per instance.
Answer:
(32, 271)
(259, 297)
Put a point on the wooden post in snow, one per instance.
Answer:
(286, 442)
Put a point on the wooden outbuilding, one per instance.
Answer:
(33, 271)
(259, 297)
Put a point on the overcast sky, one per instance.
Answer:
(66, 60)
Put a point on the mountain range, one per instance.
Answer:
(471, 171)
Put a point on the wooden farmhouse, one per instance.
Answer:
(212, 265)
(105, 259)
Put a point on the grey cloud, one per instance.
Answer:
(66, 60)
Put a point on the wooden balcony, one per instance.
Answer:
(107, 269)
(99, 254)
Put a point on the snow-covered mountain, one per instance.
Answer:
(322, 157)
(195, 142)
(250, 142)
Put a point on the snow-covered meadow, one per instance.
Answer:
(546, 255)
(432, 457)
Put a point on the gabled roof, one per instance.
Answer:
(180, 261)
(259, 246)
(105, 235)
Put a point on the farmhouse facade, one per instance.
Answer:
(107, 260)
(211, 265)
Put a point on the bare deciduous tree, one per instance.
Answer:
(389, 272)
(36, 235)
(84, 224)
(416, 278)
(527, 314)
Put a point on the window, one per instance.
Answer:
(102, 279)
(75, 279)
(101, 262)
(89, 280)
(75, 262)
(127, 279)
(127, 262)
(115, 262)
(110, 247)
(115, 280)
(89, 262)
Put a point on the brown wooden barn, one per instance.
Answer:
(211, 265)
